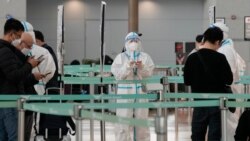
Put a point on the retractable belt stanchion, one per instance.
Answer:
(176, 112)
(77, 116)
(162, 112)
(91, 91)
(102, 57)
(223, 109)
(189, 108)
(160, 128)
(21, 119)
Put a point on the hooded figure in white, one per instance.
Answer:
(237, 65)
(130, 65)
(47, 65)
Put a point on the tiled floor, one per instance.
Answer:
(183, 133)
(183, 128)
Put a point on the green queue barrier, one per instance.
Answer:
(77, 69)
(67, 108)
(123, 96)
(245, 79)
(4, 98)
(108, 80)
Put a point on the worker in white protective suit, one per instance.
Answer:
(130, 65)
(237, 65)
(46, 66)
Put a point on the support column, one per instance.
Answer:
(133, 11)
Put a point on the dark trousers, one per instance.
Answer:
(203, 119)
(242, 132)
(8, 124)
(28, 124)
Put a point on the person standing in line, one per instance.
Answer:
(47, 65)
(205, 74)
(130, 65)
(13, 72)
(237, 65)
(23, 47)
(53, 82)
(227, 48)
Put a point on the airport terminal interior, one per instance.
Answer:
(124, 70)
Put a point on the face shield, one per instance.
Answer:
(29, 29)
(133, 44)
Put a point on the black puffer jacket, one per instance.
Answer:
(30, 80)
(12, 70)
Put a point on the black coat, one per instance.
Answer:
(12, 70)
(30, 80)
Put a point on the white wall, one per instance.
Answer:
(16, 8)
(161, 26)
(162, 22)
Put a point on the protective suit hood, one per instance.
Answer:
(47, 66)
(133, 43)
(224, 28)
(29, 29)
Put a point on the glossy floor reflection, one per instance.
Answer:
(183, 134)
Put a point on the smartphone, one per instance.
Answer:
(47, 73)
(40, 58)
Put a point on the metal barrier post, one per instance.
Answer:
(21, 119)
(176, 113)
(223, 109)
(189, 108)
(164, 82)
(160, 128)
(102, 123)
(91, 91)
(77, 116)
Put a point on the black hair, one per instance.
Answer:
(199, 38)
(75, 62)
(13, 25)
(213, 34)
(39, 35)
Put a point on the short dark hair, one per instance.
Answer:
(199, 38)
(213, 34)
(13, 25)
(39, 35)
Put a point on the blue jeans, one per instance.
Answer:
(8, 124)
(203, 118)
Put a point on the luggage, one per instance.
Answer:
(54, 128)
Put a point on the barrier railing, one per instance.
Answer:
(68, 108)
(7, 101)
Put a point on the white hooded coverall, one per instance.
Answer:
(123, 71)
(237, 64)
(47, 66)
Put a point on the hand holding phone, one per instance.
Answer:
(47, 74)
(40, 58)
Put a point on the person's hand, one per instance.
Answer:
(34, 62)
(38, 76)
(139, 64)
(131, 63)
